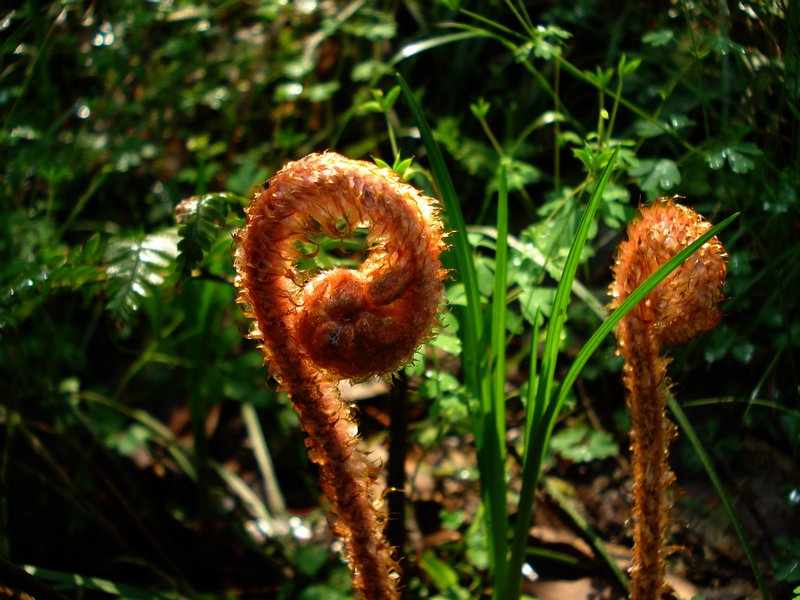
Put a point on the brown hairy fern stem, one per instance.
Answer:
(673, 313)
(315, 330)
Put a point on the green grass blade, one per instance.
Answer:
(531, 407)
(73, 581)
(531, 464)
(269, 479)
(494, 406)
(708, 465)
(499, 306)
(477, 374)
(415, 48)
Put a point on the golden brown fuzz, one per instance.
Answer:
(315, 330)
(684, 304)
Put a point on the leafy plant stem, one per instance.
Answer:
(97, 181)
(601, 116)
(522, 16)
(42, 46)
(492, 139)
(615, 107)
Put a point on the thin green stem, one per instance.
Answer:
(272, 489)
(727, 504)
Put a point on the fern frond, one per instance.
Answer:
(200, 220)
(83, 267)
(79, 269)
(135, 268)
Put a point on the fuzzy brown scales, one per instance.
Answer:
(315, 331)
(673, 313)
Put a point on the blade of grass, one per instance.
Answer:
(431, 43)
(749, 402)
(499, 305)
(533, 448)
(272, 489)
(19, 580)
(494, 406)
(708, 465)
(533, 376)
(477, 375)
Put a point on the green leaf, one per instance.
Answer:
(656, 176)
(738, 157)
(578, 443)
(441, 573)
(480, 108)
(135, 268)
(309, 559)
(659, 38)
(402, 165)
(740, 163)
(200, 221)
(627, 67)
(537, 299)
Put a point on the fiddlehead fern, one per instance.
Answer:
(315, 330)
(673, 313)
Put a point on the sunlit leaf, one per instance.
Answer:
(658, 38)
(135, 268)
(200, 220)
(738, 156)
(656, 176)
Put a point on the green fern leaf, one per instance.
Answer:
(200, 220)
(135, 267)
(82, 269)
(79, 269)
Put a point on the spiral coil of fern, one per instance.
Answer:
(673, 313)
(316, 330)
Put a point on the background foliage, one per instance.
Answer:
(139, 444)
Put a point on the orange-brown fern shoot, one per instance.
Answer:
(318, 329)
(673, 313)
